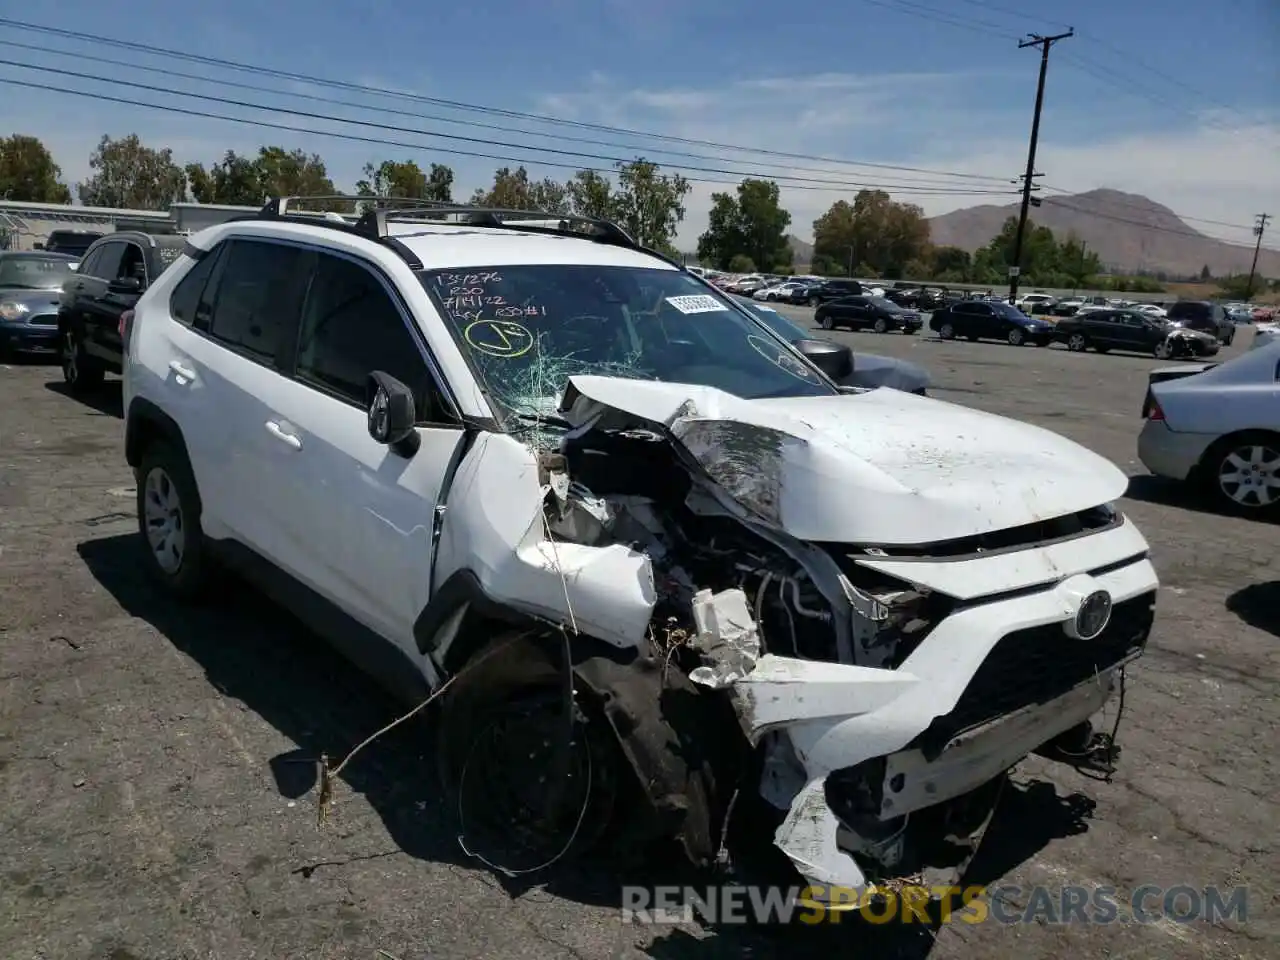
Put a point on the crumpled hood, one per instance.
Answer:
(881, 467)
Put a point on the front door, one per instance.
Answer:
(359, 517)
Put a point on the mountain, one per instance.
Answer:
(801, 252)
(1128, 232)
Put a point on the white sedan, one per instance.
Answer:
(1219, 428)
(1152, 310)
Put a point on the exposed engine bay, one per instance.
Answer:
(871, 697)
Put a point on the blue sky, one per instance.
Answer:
(1182, 104)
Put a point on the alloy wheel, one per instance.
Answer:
(1249, 475)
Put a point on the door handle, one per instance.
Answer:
(184, 372)
(288, 439)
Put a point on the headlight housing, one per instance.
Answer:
(12, 311)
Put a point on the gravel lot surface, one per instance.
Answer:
(154, 807)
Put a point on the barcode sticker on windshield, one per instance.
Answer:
(697, 303)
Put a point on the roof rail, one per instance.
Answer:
(378, 211)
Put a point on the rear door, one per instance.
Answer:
(851, 310)
(235, 316)
(91, 297)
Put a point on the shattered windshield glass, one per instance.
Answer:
(529, 328)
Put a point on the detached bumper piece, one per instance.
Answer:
(919, 814)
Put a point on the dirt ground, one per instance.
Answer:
(156, 795)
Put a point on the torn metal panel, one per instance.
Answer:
(876, 467)
(495, 526)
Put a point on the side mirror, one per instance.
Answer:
(833, 359)
(392, 414)
(125, 285)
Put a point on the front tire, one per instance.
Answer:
(1016, 337)
(815, 302)
(880, 326)
(169, 522)
(947, 332)
(826, 322)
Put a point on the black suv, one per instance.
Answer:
(1210, 318)
(71, 242)
(114, 273)
(828, 290)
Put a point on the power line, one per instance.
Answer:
(913, 189)
(1093, 38)
(1093, 68)
(1262, 219)
(421, 116)
(99, 41)
(1028, 180)
(208, 115)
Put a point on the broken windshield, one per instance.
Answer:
(527, 329)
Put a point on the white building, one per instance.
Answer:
(23, 225)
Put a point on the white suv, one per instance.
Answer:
(570, 466)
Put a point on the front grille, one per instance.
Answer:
(1040, 664)
(45, 320)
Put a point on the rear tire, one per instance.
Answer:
(80, 372)
(169, 523)
(1243, 469)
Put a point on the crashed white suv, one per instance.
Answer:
(664, 559)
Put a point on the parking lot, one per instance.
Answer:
(157, 787)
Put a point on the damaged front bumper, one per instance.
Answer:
(988, 686)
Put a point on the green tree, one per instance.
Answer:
(741, 263)
(392, 178)
(550, 195)
(1077, 262)
(591, 195)
(1206, 273)
(294, 173)
(28, 173)
(751, 224)
(874, 231)
(649, 205)
(948, 260)
(234, 180)
(510, 190)
(128, 174)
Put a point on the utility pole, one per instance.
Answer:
(1262, 219)
(1044, 43)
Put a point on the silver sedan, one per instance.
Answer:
(1219, 427)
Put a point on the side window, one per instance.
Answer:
(186, 296)
(133, 264)
(106, 265)
(256, 296)
(351, 327)
(89, 263)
